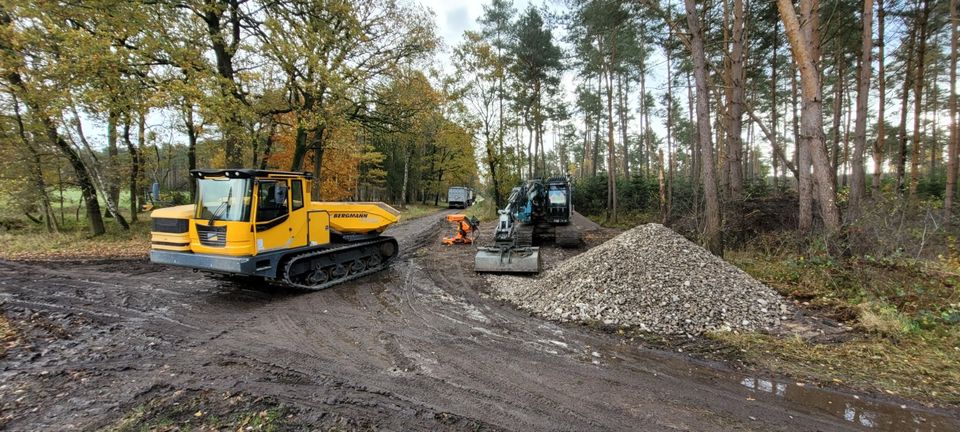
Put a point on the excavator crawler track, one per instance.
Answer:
(321, 269)
(524, 235)
(568, 236)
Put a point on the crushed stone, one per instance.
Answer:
(652, 279)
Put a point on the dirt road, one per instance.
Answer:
(418, 347)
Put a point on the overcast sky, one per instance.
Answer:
(453, 17)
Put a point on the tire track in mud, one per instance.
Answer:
(420, 346)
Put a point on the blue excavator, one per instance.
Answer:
(537, 212)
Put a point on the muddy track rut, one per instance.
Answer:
(418, 347)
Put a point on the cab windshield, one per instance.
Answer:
(223, 199)
(557, 197)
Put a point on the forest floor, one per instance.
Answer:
(888, 326)
(122, 344)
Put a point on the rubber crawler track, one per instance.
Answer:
(333, 251)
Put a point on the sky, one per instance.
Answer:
(453, 17)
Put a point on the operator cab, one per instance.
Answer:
(558, 201)
(240, 212)
(272, 201)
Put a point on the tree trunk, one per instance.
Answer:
(406, 178)
(712, 236)
(191, 146)
(804, 45)
(585, 152)
(37, 172)
(93, 168)
(918, 98)
(878, 145)
(795, 111)
(670, 173)
(735, 110)
(436, 196)
(644, 156)
(268, 146)
(318, 148)
(858, 186)
(113, 153)
(934, 150)
(774, 84)
(695, 171)
(648, 137)
(952, 146)
(802, 156)
(535, 132)
(231, 123)
(837, 117)
(134, 169)
(662, 182)
(87, 190)
(611, 155)
(848, 116)
(623, 88)
(596, 131)
(905, 101)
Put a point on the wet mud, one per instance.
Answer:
(421, 346)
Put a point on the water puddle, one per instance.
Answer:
(858, 412)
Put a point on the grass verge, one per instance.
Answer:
(920, 368)
(483, 209)
(77, 243)
(904, 312)
(415, 211)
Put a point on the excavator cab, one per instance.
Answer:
(559, 202)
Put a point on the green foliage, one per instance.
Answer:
(933, 185)
(638, 194)
(175, 198)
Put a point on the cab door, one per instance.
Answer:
(276, 217)
(298, 213)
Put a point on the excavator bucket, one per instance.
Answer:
(507, 260)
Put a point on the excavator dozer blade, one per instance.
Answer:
(509, 260)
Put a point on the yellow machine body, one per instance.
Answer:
(253, 213)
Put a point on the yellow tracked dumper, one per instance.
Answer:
(262, 223)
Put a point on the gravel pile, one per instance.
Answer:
(649, 278)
